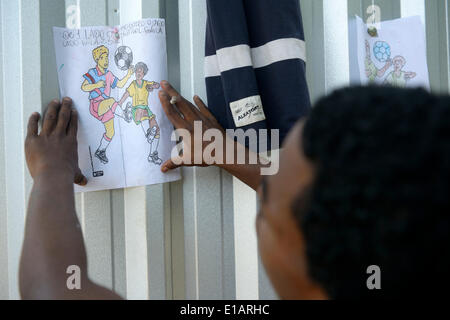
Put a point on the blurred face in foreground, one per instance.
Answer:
(363, 183)
(280, 240)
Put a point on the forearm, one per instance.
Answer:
(382, 71)
(244, 165)
(249, 174)
(89, 87)
(53, 239)
(124, 97)
(121, 83)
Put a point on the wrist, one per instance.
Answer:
(56, 173)
(230, 150)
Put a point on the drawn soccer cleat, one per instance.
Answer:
(127, 113)
(101, 155)
(151, 133)
(154, 158)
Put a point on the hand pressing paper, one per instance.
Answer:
(113, 76)
(395, 56)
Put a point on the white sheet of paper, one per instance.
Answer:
(103, 126)
(397, 56)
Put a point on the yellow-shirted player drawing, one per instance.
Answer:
(398, 77)
(382, 53)
(99, 82)
(139, 111)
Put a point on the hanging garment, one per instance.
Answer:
(255, 64)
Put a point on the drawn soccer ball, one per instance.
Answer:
(123, 57)
(382, 51)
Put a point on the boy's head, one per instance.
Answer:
(399, 62)
(141, 70)
(101, 56)
(364, 181)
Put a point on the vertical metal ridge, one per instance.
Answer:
(4, 285)
(185, 230)
(14, 175)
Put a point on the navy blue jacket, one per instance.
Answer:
(255, 64)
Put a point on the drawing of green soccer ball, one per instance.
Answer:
(382, 51)
(123, 58)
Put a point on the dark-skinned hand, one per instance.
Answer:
(54, 149)
(183, 116)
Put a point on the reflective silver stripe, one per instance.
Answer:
(227, 59)
(242, 56)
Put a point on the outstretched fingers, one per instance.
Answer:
(167, 87)
(185, 107)
(173, 115)
(203, 108)
(51, 117)
(72, 130)
(73, 124)
(33, 125)
(64, 116)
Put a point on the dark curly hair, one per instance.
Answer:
(381, 192)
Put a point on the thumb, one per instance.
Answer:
(80, 179)
(171, 164)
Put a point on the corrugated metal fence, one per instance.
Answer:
(192, 239)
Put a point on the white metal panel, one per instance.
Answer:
(312, 14)
(158, 211)
(189, 239)
(413, 8)
(117, 201)
(3, 219)
(21, 80)
(176, 269)
(335, 20)
(94, 208)
(14, 189)
(135, 206)
(159, 242)
(118, 243)
(201, 186)
(147, 209)
(436, 12)
(229, 212)
(246, 255)
(390, 9)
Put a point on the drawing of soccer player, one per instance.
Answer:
(140, 112)
(398, 77)
(99, 82)
(372, 72)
